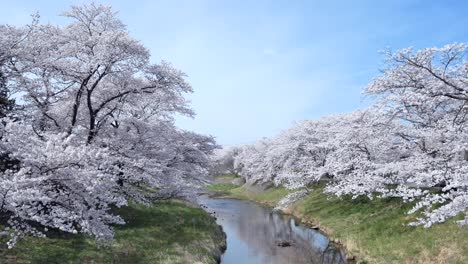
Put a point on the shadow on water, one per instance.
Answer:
(256, 234)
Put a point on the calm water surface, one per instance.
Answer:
(254, 231)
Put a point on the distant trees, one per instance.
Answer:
(95, 126)
(223, 161)
(412, 143)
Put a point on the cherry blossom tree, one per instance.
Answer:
(95, 127)
(427, 90)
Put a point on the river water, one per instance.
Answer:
(254, 232)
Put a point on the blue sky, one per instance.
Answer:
(258, 66)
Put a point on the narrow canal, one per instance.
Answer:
(258, 235)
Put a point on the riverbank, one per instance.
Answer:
(375, 231)
(165, 232)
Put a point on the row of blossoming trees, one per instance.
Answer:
(93, 127)
(412, 143)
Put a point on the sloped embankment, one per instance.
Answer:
(165, 232)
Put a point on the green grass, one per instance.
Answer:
(269, 197)
(223, 183)
(222, 187)
(378, 230)
(166, 232)
(375, 230)
(226, 178)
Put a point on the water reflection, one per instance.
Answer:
(254, 232)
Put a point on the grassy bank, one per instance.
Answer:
(224, 185)
(374, 230)
(166, 232)
(270, 197)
